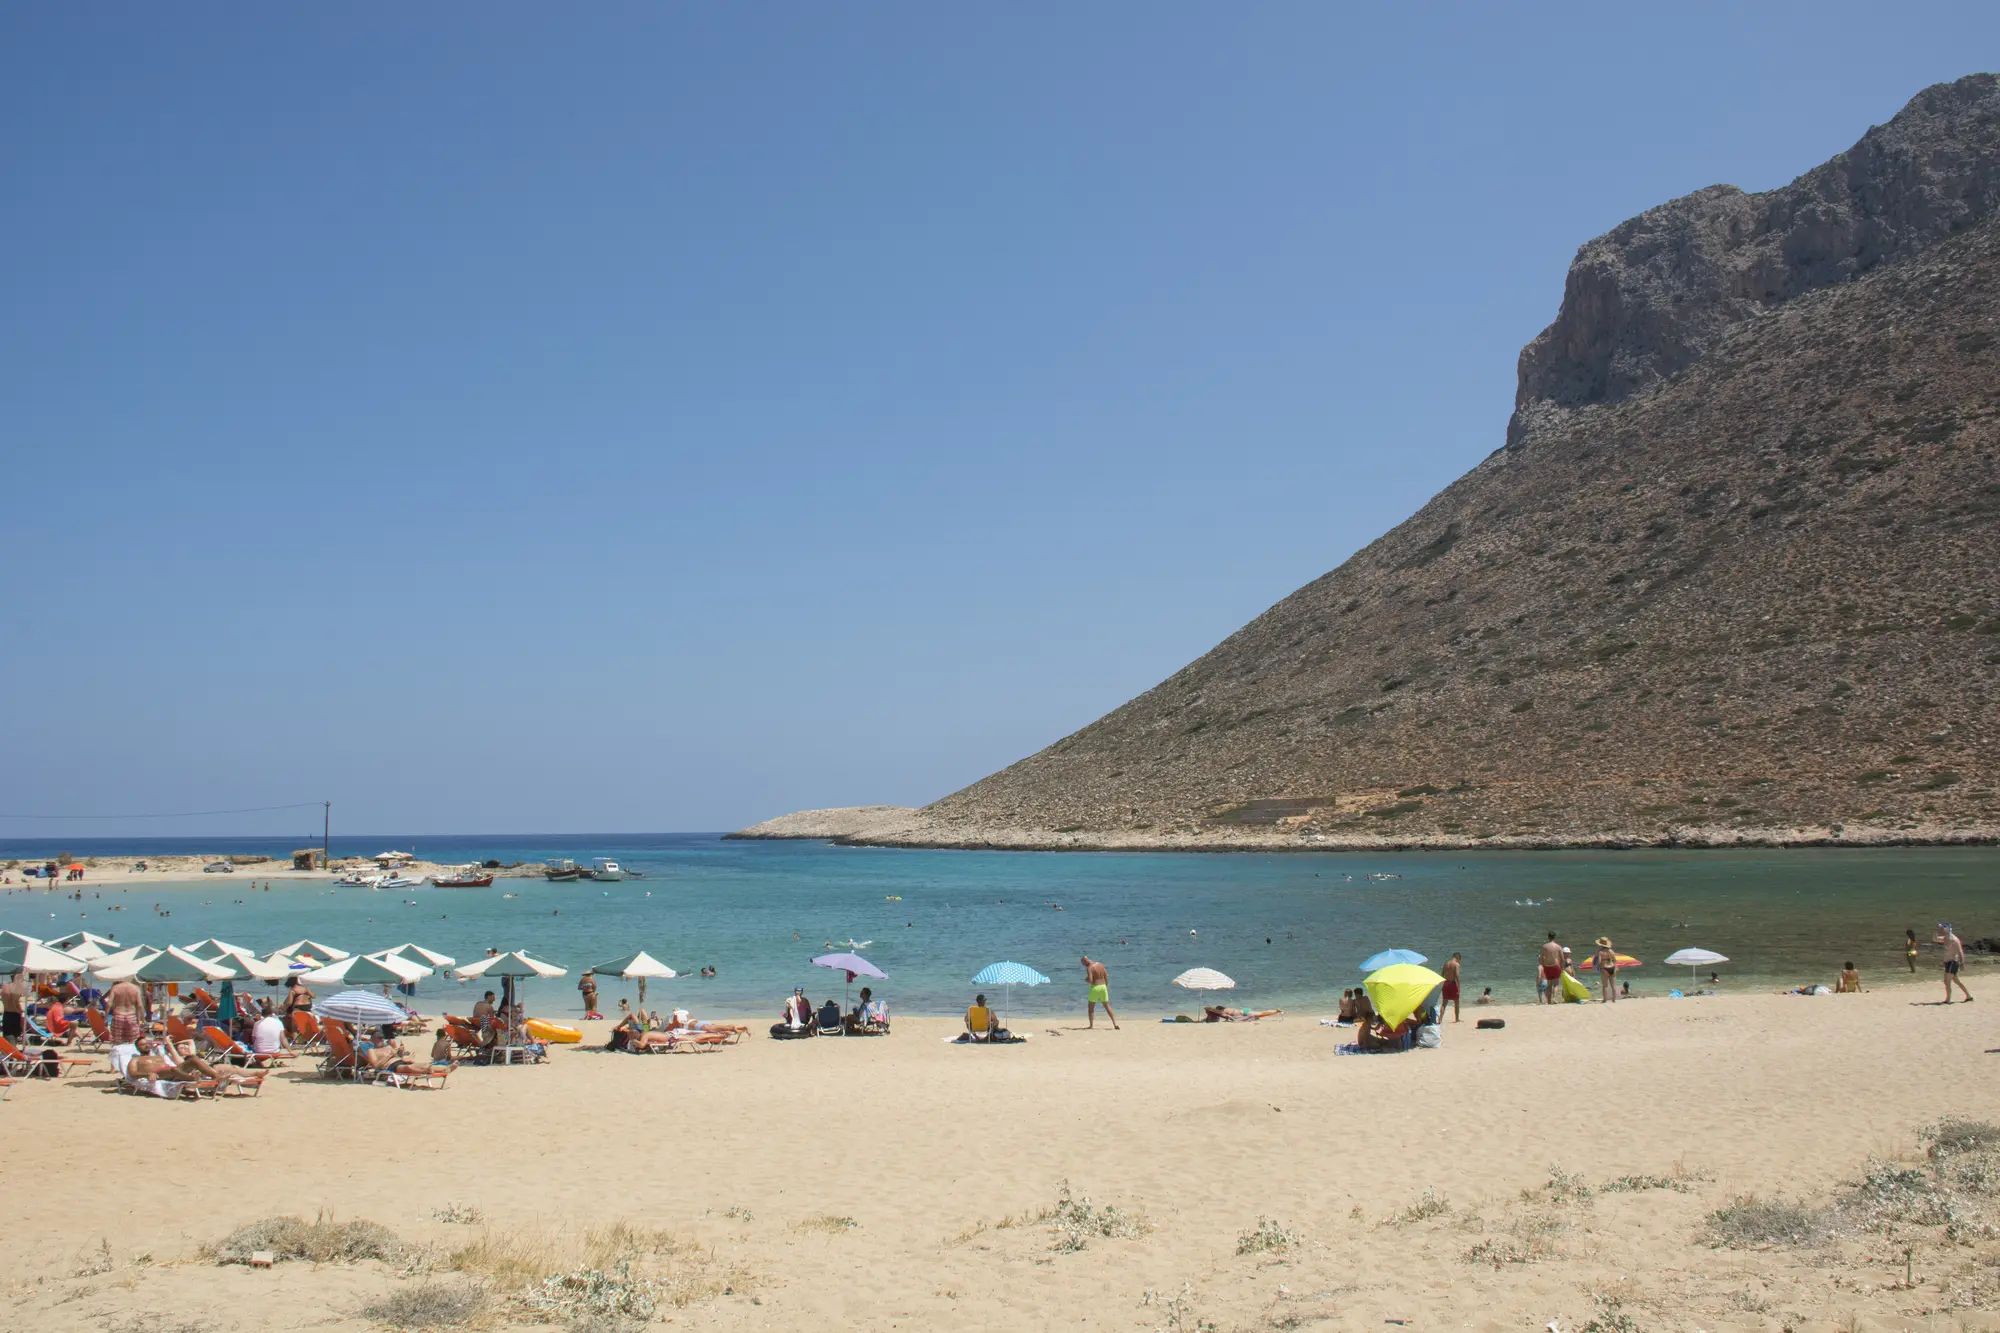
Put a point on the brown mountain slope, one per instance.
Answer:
(1751, 597)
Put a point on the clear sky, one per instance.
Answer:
(662, 416)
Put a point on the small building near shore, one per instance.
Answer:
(309, 858)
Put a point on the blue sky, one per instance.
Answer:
(644, 417)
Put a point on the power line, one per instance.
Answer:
(181, 814)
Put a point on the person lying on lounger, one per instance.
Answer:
(158, 1060)
(393, 1059)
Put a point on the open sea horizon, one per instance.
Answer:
(1291, 929)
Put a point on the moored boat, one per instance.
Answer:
(563, 871)
(606, 870)
(463, 880)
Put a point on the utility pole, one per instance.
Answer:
(325, 834)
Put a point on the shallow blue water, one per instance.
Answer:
(759, 911)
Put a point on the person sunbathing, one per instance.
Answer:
(159, 1060)
(1215, 1013)
(393, 1059)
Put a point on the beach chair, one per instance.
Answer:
(69, 1031)
(235, 1051)
(100, 1026)
(687, 1039)
(305, 1030)
(179, 1031)
(464, 1036)
(431, 1078)
(341, 1061)
(203, 1000)
(19, 1064)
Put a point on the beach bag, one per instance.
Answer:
(1429, 1037)
(1491, 1024)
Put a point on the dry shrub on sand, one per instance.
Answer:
(1431, 1205)
(1077, 1222)
(423, 1305)
(588, 1272)
(1267, 1237)
(320, 1241)
(1750, 1221)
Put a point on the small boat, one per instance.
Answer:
(562, 872)
(463, 880)
(399, 882)
(354, 879)
(607, 871)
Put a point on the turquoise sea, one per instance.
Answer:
(1290, 928)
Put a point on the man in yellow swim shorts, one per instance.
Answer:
(1099, 982)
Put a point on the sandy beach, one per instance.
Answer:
(904, 1182)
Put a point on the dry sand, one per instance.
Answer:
(751, 1157)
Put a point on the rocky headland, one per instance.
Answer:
(1731, 579)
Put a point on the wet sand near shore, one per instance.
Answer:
(903, 1182)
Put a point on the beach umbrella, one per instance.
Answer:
(515, 964)
(363, 1008)
(1391, 957)
(77, 938)
(418, 953)
(1624, 960)
(211, 948)
(25, 953)
(1399, 990)
(854, 965)
(366, 970)
(124, 955)
(509, 967)
(637, 967)
(168, 965)
(274, 968)
(1695, 958)
(326, 951)
(1204, 978)
(1009, 975)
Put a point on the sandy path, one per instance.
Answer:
(1201, 1130)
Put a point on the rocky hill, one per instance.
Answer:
(1732, 578)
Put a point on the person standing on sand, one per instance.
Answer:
(1552, 970)
(127, 1006)
(1954, 959)
(13, 1005)
(1450, 993)
(1910, 950)
(1607, 971)
(587, 984)
(1099, 982)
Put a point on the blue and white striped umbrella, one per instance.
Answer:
(1009, 974)
(363, 1008)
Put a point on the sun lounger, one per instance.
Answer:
(100, 1026)
(20, 1064)
(235, 1051)
(180, 1032)
(306, 1033)
(431, 1077)
(341, 1060)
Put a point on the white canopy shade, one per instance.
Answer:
(35, 956)
(263, 969)
(1204, 978)
(214, 948)
(68, 943)
(514, 964)
(1696, 958)
(316, 950)
(641, 964)
(418, 953)
(130, 967)
(394, 856)
(124, 955)
(337, 973)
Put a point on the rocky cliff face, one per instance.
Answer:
(1650, 298)
(1735, 581)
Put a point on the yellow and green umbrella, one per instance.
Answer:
(1399, 990)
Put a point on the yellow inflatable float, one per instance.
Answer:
(543, 1030)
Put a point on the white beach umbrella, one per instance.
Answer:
(124, 955)
(25, 953)
(1695, 958)
(326, 951)
(417, 953)
(213, 948)
(263, 969)
(170, 964)
(1204, 978)
(516, 964)
(77, 938)
(636, 967)
(367, 969)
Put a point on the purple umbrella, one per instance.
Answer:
(853, 964)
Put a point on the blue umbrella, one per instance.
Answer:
(1390, 957)
(1008, 975)
(363, 1008)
